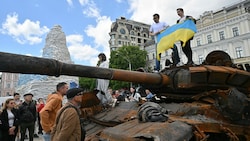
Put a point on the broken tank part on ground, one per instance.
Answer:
(202, 102)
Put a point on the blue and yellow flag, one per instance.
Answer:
(178, 32)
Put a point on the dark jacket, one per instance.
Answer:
(188, 17)
(4, 126)
(27, 112)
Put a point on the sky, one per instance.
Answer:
(24, 24)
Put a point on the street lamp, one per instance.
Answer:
(129, 62)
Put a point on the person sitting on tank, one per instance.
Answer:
(135, 96)
(149, 95)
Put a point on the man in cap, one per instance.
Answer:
(27, 113)
(67, 125)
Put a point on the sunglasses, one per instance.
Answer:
(78, 94)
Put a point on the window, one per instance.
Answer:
(120, 36)
(239, 52)
(201, 59)
(113, 36)
(122, 31)
(221, 34)
(139, 40)
(209, 39)
(8, 85)
(198, 40)
(119, 42)
(235, 31)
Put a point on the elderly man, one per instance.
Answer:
(27, 113)
(68, 125)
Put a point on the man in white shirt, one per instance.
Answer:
(154, 30)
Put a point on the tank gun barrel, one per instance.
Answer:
(15, 63)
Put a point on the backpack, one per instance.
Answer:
(83, 132)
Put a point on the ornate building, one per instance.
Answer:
(8, 83)
(227, 29)
(127, 32)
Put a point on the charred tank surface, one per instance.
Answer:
(205, 102)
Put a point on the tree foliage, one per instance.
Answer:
(87, 83)
(121, 58)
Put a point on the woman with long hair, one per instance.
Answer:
(102, 84)
(9, 120)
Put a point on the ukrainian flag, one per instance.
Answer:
(178, 32)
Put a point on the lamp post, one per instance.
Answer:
(129, 62)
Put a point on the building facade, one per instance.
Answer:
(127, 32)
(8, 83)
(227, 29)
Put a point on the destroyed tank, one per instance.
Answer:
(208, 102)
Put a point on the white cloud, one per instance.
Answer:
(119, 1)
(143, 10)
(27, 32)
(100, 33)
(83, 2)
(85, 52)
(90, 9)
(79, 51)
(70, 3)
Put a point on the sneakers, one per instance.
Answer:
(40, 132)
(190, 63)
(36, 136)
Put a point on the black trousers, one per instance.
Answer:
(175, 55)
(188, 51)
(30, 126)
(40, 129)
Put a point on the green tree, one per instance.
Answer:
(87, 83)
(124, 58)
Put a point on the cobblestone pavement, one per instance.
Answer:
(35, 139)
(38, 139)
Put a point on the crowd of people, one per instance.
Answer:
(55, 121)
(137, 94)
(17, 117)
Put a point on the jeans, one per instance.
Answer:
(46, 136)
(158, 63)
